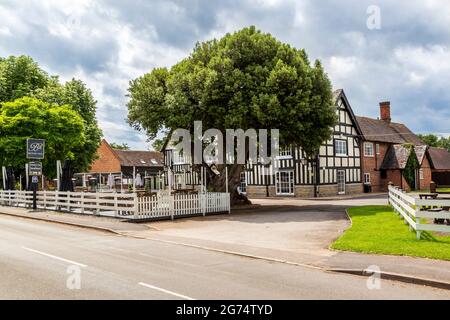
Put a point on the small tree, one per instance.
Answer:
(60, 126)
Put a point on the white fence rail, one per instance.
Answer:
(130, 206)
(416, 212)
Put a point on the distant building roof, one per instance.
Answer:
(397, 156)
(440, 158)
(382, 131)
(129, 158)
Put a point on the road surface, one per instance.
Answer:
(40, 260)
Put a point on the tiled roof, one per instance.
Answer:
(130, 158)
(382, 131)
(397, 156)
(440, 158)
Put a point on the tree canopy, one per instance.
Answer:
(19, 77)
(119, 146)
(76, 94)
(61, 127)
(247, 79)
(434, 141)
(22, 77)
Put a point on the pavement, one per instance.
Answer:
(291, 231)
(41, 260)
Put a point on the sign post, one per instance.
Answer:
(35, 151)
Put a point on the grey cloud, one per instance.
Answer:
(332, 30)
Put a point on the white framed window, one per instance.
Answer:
(366, 178)
(340, 176)
(368, 149)
(285, 182)
(340, 147)
(421, 174)
(285, 153)
(243, 183)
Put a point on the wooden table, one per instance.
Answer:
(428, 195)
(444, 208)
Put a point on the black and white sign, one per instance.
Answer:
(34, 179)
(35, 148)
(35, 168)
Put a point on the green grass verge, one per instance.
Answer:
(378, 230)
(428, 190)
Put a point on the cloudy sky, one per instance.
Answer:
(405, 59)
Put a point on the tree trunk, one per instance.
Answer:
(217, 182)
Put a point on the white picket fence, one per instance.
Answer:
(417, 211)
(159, 206)
(123, 205)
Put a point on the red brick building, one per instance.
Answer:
(124, 164)
(386, 149)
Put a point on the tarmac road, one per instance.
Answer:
(40, 260)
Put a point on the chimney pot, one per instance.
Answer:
(385, 111)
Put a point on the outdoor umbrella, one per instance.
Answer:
(138, 180)
(66, 177)
(10, 179)
(110, 181)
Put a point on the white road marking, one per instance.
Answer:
(165, 291)
(55, 257)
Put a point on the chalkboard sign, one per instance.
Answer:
(35, 148)
(35, 168)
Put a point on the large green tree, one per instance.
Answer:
(76, 94)
(21, 77)
(61, 127)
(247, 79)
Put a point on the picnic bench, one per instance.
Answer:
(437, 196)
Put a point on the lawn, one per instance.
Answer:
(378, 230)
(428, 190)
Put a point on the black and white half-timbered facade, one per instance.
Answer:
(178, 172)
(335, 170)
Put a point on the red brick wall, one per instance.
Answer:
(426, 167)
(398, 180)
(107, 161)
(372, 165)
(396, 177)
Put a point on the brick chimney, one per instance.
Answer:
(385, 111)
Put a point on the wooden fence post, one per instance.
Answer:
(116, 209)
(136, 205)
(172, 205)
